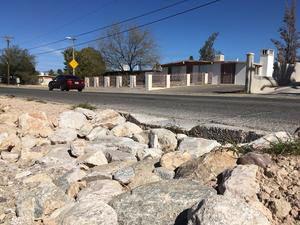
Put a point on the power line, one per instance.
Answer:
(137, 27)
(60, 12)
(111, 25)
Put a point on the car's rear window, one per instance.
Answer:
(71, 77)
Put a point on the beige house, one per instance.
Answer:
(44, 79)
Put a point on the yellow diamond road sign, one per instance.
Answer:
(73, 64)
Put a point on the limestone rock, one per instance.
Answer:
(85, 130)
(90, 114)
(90, 213)
(28, 142)
(127, 129)
(78, 147)
(197, 146)
(5, 143)
(66, 180)
(92, 159)
(124, 175)
(280, 207)
(10, 156)
(224, 210)
(143, 205)
(72, 120)
(240, 182)
(106, 171)
(38, 178)
(261, 160)
(63, 136)
(58, 156)
(180, 137)
(120, 143)
(41, 200)
(102, 190)
(172, 160)
(142, 137)
(144, 173)
(35, 124)
(113, 155)
(164, 173)
(206, 168)
(33, 154)
(108, 118)
(167, 139)
(149, 153)
(265, 141)
(97, 133)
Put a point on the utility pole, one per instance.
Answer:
(8, 40)
(73, 39)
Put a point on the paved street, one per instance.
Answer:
(264, 113)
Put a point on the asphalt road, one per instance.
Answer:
(269, 114)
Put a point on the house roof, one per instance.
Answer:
(186, 62)
(196, 62)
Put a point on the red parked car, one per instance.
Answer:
(66, 83)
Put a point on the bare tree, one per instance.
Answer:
(287, 48)
(135, 49)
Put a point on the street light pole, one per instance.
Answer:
(8, 39)
(73, 39)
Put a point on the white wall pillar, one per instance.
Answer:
(87, 81)
(206, 78)
(168, 81)
(106, 81)
(188, 80)
(119, 81)
(96, 81)
(148, 82)
(249, 72)
(132, 81)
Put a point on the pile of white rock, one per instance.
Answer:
(94, 167)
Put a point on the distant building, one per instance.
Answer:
(220, 70)
(44, 78)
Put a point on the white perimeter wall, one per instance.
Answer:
(214, 69)
(296, 75)
(240, 74)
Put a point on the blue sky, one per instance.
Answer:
(244, 25)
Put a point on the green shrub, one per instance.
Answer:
(291, 147)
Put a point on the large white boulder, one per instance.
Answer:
(240, 182)
(102, 190)
(36, 124)
(268, 140)
(108, 118)
(90, 213)
(172, 160)
(90, 114)
(218, 209)
(166, 139)
(71, 119)
(197, 146)
(127, 129)
(63, 135)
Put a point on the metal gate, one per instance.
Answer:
(227, 73)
